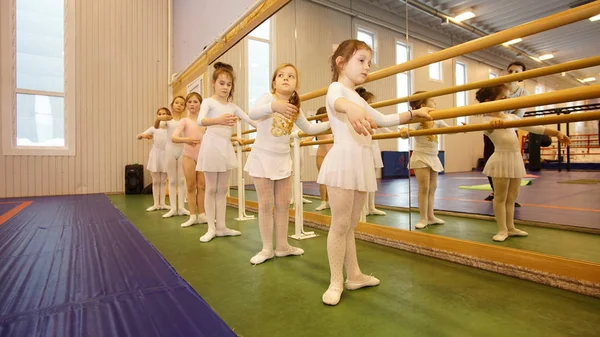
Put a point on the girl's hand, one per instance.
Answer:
(497, 122)
(423, 112)
(226, 119)
(192, 141)
(239, 140)
(360, 120)
(145, 137)
(563, 139)
(287, 109)
(404, 133)
(164, 118)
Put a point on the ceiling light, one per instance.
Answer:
(517, 40)
(595, 18)
(563, 74)
(546, 57)
(464, 16)
(588, 79)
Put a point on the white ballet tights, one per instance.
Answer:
(506, 191)
(159, 187)
(215, 205)
(427, 181)
(273, 194)
(177, 188)
(346, 206)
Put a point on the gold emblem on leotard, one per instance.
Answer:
(283, 126)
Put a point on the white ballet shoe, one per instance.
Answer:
(152, 208)
(183, 211)
(290, 251)
(306, 201)
(228, 232)
(323, 206)
(164, 207)
(375, 211)
(170, 213)
(362, 282)
(435, 221)
(208, 236)
(421, 224)
(332, 296)
(500, 237)
(262, 256)
(201, 218)
(517, 232)
(191, 221)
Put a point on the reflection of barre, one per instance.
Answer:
(555, 69)
(585, 116)
(537, 26)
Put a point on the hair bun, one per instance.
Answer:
(221, 65)
(361, 90)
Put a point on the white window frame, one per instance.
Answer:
(371, 32)
(10, 91)
(196, 85)
(464, 119)
(492, 74)
(539, 89)
(410, 47)
(440, 68)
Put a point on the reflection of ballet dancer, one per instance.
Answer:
(156, 162)
(369, 97)
(348, 170)
(216, 157)
(192, 138)
(174, 161)
(322, 151)
(426, 164)
(506, 166)
(269, 163)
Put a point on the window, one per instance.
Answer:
(435, 70)
(259, 63)
(461, 97)
(40, 122)
(367, 37)
(403, 85)
(493, 74)
(538, 90)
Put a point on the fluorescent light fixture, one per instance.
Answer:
(517, 40)
(546, 57)
(563, 74)
(588, 79)
(595, 18)
(464, 16)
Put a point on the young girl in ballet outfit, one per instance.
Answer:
(269, 163)
(370, 98)
(506, 166)
(156, 162)
(216, 157)
(174, 160)
(348, 170)
(322, 151)
(192, 138)
(426, 164)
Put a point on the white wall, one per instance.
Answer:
(196, 23)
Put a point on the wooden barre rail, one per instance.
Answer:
(553, 21)
(531, 121)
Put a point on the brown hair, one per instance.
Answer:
(163, 108)
(518, 64)
(279, 67)
(175, 98)
(192, 94)
(366, 95)
(345, 50)
(418, 103)
(224, 68)
(321, 113)
(489, 93)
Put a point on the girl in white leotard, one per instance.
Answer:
(216, 157)
(174, 159)
(156, 162)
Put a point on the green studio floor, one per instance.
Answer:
(418, 296)
(559, 242)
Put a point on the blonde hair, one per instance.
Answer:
(279, 67)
